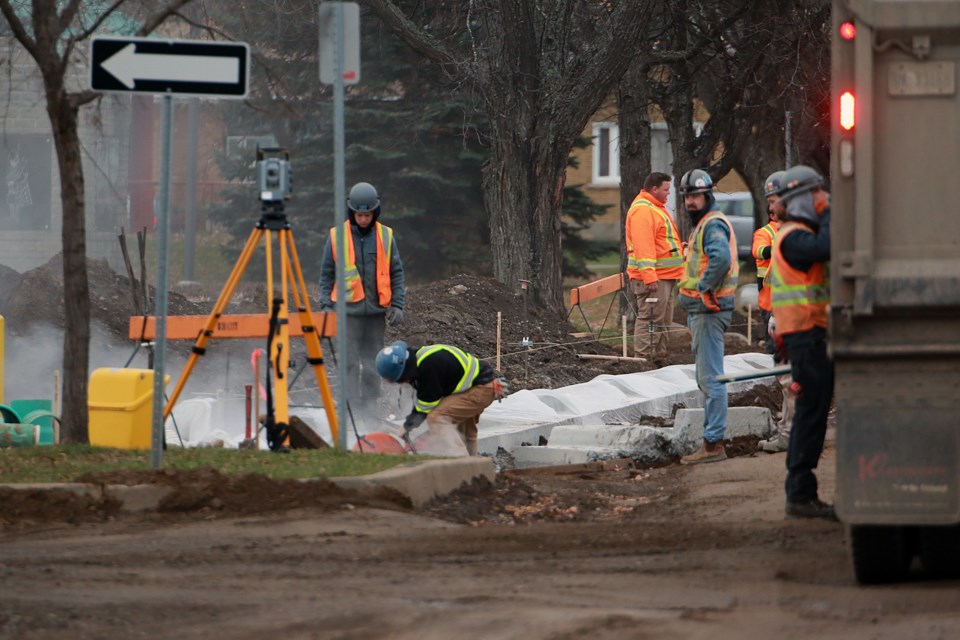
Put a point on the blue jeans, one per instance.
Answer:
(707, 330)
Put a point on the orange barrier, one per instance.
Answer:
(596, 289)
(252, 325)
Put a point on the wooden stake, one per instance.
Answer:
(749, 324)
(591, 356)
(499, 324)
(623, 323)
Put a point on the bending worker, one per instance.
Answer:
(654, 264)
(374, 283)
(453, 388)
(801, 293)
(710, 271)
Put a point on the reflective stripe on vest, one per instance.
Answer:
(696, 261)
(763, 265)
(799, 298)
(471, 369)
(354, 284)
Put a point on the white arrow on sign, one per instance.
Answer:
(127, 66)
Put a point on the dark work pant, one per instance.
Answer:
(813, 370)
(364, 340)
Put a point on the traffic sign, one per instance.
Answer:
(349, 41)
(171, 67)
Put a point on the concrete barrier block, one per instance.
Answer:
(525, 457)
(686, 435)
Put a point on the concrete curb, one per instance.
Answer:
(423, 481)
(419, 481)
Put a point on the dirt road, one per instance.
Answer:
(675, 552)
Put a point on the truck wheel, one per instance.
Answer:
(940, 551)
(880, 554)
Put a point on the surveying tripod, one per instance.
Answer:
(272, 221)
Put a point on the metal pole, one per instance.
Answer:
(163, 228)
(190, 210)
(787, 141)
(339, 216)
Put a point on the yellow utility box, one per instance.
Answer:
(121, 408)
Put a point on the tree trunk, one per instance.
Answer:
(523, 188)
(76, 343)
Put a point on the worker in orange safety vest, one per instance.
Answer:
(710, 271)
(800, 296)
(374, 292)
(654, 264)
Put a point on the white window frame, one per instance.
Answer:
(612, 176)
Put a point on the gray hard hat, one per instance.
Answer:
(797, 180)
(363, 198)
(696, 181)
(773, 185)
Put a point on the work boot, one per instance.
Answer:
(776, 444)
(708, 452)
(810, 509)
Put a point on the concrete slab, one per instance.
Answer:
(139, 497)
(686, 435)
(423, 481)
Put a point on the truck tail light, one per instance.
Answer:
(848, 111)
(848, 30)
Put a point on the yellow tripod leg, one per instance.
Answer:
(312, 339)
(199, 348)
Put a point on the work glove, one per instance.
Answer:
(394, 316)
(710, 301)
(414, 420)
(651, 287)
(501, 388)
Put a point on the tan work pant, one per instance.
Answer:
(458, 414)
(647, 344)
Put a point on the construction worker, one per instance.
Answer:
(707, 289)
(374, 292)
(453, 388)
(763, 250)
(800, 295)
(654, 264)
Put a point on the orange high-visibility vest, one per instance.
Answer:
(352, 276)
(695, 263)
(800, 298)
(654, 250)
(763, 237)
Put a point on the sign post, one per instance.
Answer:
(169, 68)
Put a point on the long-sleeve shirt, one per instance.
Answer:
(802, 251)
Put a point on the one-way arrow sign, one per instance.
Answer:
(191, 67)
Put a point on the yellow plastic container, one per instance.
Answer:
(121, 408)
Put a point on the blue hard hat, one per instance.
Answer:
(391, 361)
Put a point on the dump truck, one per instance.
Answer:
(895, 283)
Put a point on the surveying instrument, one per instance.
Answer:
(275, 186)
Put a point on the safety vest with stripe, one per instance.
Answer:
(657, 253)
(763, 237)
(696, 262)
(800, 298)
(471, 369)
(352, 276)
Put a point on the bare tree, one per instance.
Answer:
(541, 69)
(50, 32)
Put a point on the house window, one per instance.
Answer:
(606, 154)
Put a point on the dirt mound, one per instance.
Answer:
(36, 298)
(462, 311)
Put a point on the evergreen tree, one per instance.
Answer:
(420, 145)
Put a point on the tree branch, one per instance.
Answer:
(157, 19)
(18, 31)
(418, 39)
